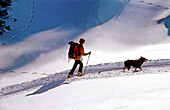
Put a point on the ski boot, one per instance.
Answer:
(80, 74)
(70, 76)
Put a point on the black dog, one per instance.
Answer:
(134, 63)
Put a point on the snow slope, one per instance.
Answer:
(44, 51)
(118, 90)
(105, 70)
(34, 56)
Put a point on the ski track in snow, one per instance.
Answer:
(106, 70)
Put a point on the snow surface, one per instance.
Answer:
(44, 51)
(104, 86)
(141, 90)
(34, 55)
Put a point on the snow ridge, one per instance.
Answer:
(106, 70)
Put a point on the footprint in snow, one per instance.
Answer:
(150, 3)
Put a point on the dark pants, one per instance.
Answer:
(75, 65)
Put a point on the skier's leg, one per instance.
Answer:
(73, 68)
(80, 68)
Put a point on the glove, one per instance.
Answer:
(89, 53)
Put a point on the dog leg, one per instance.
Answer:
(140, 68)
(128, 68)
(124, 68)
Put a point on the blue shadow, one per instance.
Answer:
(166, 22)
(47, 87)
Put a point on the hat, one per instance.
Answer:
(81, 40)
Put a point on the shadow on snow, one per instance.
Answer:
(47, 87)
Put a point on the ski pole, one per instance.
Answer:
(86, 64)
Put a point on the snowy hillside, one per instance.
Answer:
(34, 63)
(97, 90)
(102, 23)
(105, 70)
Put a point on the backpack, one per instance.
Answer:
(74, 50)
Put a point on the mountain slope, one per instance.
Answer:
(147, 89)
(127, 31)
(103, 24)
(106, 70)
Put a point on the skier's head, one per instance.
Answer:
(81, 41)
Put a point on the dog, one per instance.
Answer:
(134, 63)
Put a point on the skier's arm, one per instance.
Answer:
(82, 52)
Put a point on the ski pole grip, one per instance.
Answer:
(89, 52)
